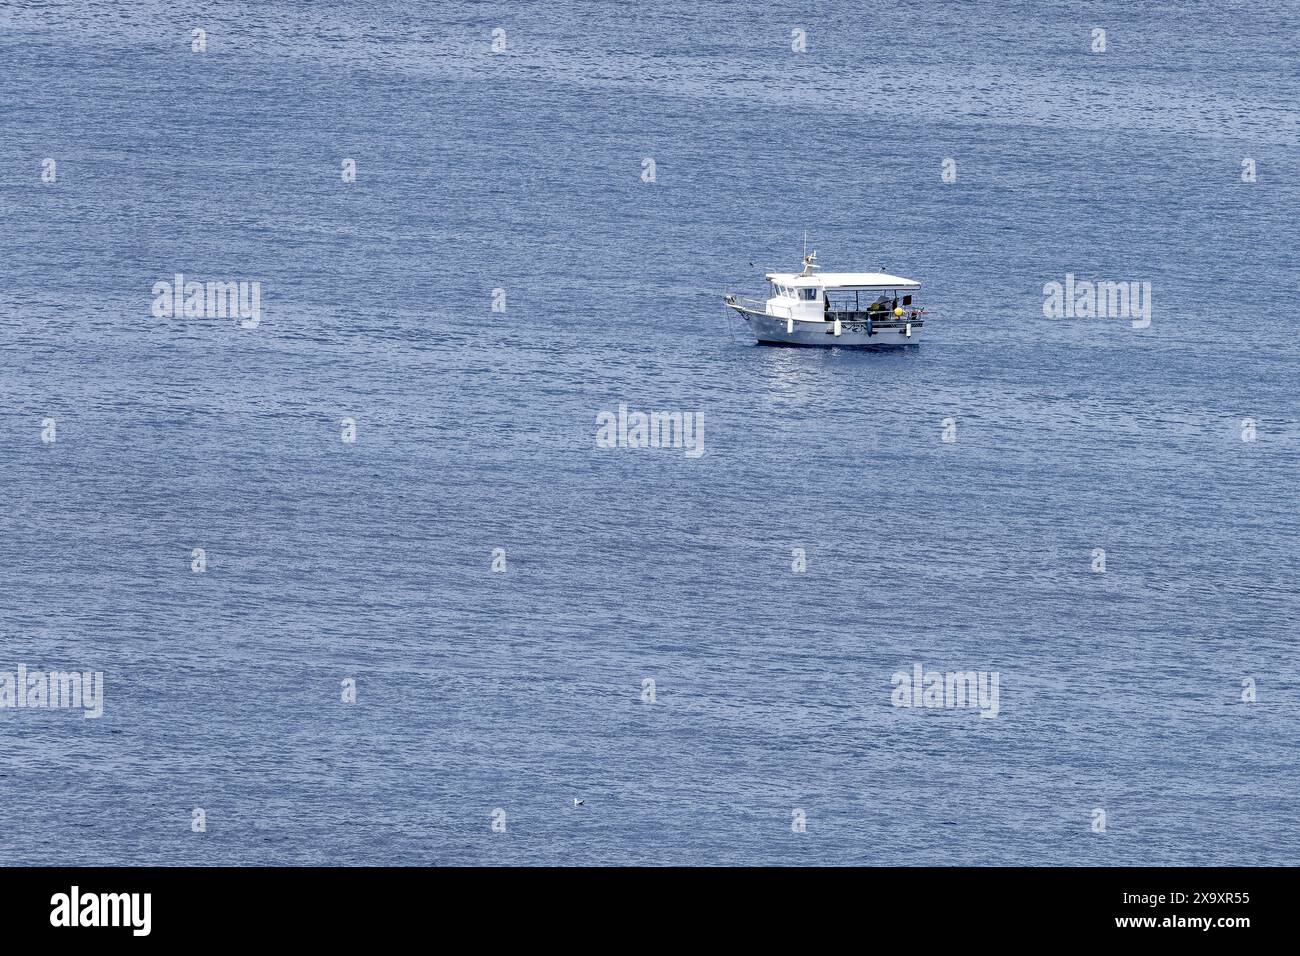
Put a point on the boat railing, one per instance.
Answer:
(748, 304)
(876, 318)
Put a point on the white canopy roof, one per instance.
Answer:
(843, 280)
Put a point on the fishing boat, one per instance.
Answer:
(833, 308)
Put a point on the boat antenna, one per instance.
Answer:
(809, 263)
(809, 260)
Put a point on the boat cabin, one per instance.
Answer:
(849, 296)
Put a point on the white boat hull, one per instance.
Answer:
(775, 330)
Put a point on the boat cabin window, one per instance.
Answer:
(808, 295)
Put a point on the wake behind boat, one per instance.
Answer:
(833, 308)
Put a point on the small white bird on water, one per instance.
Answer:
(577, 802)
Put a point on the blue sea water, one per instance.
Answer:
(522, 690)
